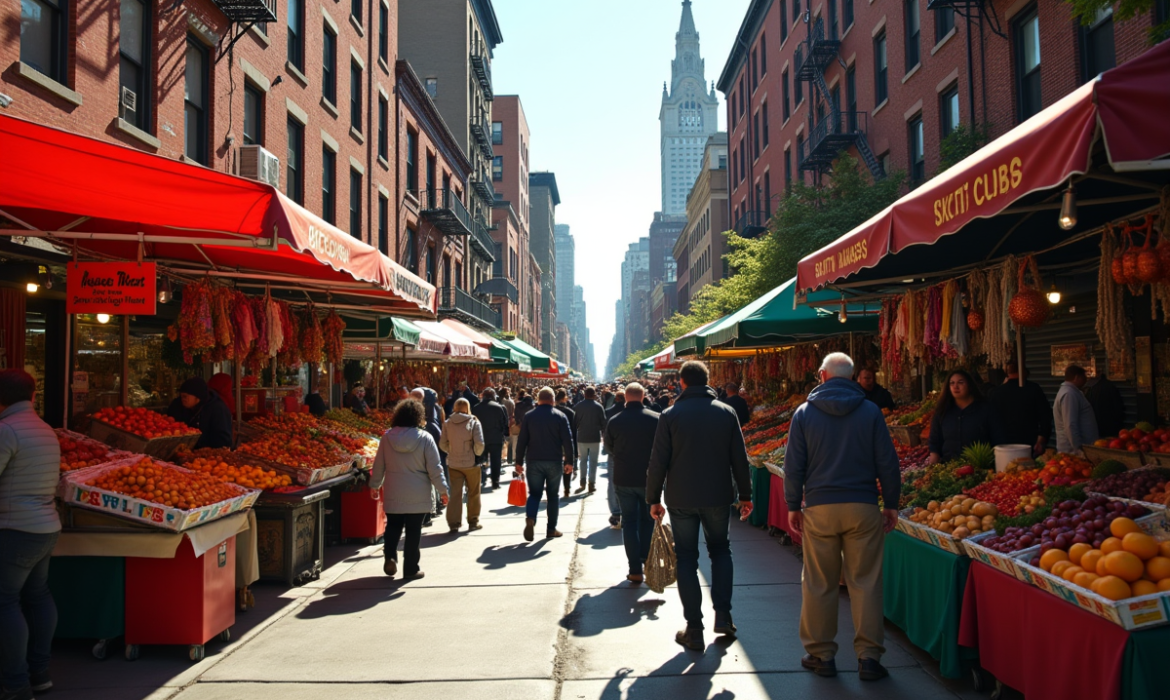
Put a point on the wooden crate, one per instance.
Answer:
(160, 447)
(1096, 455)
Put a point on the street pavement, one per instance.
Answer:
(497, 617)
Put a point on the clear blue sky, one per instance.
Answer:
(590, 77)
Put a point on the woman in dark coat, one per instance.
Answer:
(962, 417)
(201, 408)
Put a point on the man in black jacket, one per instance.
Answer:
(742, 410)
(619, 402)
(700, 458)
(589, 422)
(1023, 411)
(494, 419)
(874, 393)
(547, 443)
(629, 439)
(563, 407)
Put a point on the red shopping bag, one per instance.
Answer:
(518, 493)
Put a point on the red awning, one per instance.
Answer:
(458, 345)
(105, 198)
(1126, 106)
(666, 359)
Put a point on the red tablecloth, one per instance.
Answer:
(1037, 643)
(778, 509)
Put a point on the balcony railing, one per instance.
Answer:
(483, 186)
(247, 11)
(499, 287)
(453, 301)
(444, 210)
(483, 240)
(483, 73)
(833, 134)
(752, 223)
(482, 133)
(820, 50)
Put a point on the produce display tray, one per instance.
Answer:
(74, 492)
(307, 476)
(160, 447)
(938, 538)
(113, 455)
(1131, 460)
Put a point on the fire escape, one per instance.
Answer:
(831, 133)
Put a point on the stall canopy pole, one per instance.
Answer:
(237, 379)
(378, 374)
(1020, 354)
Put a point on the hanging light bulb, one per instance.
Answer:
(166, 292)
(103, 318)
(843, 315)
(1068, 208)
(32, 287)
(1053, 295)
(44, 277)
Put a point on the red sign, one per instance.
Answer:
(110, 288)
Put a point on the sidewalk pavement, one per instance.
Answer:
(497, 617)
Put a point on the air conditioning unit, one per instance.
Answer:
(256, 163)
(129, 100)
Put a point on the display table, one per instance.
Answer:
(922, 593)
(778, 507)
(1049, 649)
(761, 488)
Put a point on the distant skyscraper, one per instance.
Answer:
(566, 275)
(687, 117)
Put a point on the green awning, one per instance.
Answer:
(694, 343)
(385, 328)
(774, 319)
(537, 359)
(510, 357)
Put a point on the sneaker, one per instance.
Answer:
(691, 639)
(724, 625)
(824, 669)
(416, 575)
(871, 670)
(390, 568)
(40, 682)
(615, 522)
(554, 533)
(529, 526)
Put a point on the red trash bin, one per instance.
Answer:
(362, 518)
(185, 600)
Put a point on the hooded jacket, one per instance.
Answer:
(30, 467)
(494, 419)
(699, 454)
(462, 440)
(839, 448)
(408, 463)
(434, 422)
(590, 421)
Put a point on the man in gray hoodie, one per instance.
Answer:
(839, 449)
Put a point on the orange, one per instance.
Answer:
(1059, 567)
(1070, 572)
(1111, 544)
(1091, 558)
(1144, 587)
(1164, 584)
(1085, 579)
(1051, 557)
(1077, 551)
(1123, 526)
(1158, 569)
(1164, 548)
(1141, 544)
(1124, 565)
(1112, 588)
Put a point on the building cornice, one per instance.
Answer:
(752, 21)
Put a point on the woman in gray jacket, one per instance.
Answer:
(408, 463)
(462, 440)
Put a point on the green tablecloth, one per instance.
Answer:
(923, 595)
(1143, 674)
(761, 488)
(90, 593)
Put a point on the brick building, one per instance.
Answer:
(698, 251)
(543, 209)
(887, 81)
(510, 219)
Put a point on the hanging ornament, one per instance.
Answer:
(1028, 308)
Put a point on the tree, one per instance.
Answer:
(1086, 11)
(962, 142)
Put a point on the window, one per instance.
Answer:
(741, 92)
(847, 13)
(784, 94)
(355, 10)
(783, 21)
(44, 37)
(134, 44)
(948, 110)
(383, 32)
(296, 34)
(913, 32)
(1026, 31)
(917, 157)
(1097, 44)
(383, 223)
(432, 273)
(755, 72)
(881, 69)
(355, 95)
(195, 105)
(355, 204)
(763, 54)
(787, 170)
(497, 168)
(764, 112)
(851, 97)
(328, 185)
(432, 87)
(1161, 16)
(799, 151)
(795, 10)
(329, 66)
(944, 22)
(295, 162)
(383, 128)
(253, 114)
(742, 161)
(410, 255)
(431, 177)
(832, 19)
(497, 132)
(756, 140)
(797, 86)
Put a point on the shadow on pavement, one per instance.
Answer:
(612, 608)
(602, 539)
(699, 683)
(336, 602)
(499, 557)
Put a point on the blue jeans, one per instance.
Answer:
(588, 453)
(28, 615)
(685, 522)
(543, 479)
(637, 526)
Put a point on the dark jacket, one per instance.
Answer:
(211, 417)
(960, 427)
(1108, 406)
(544, 437)
(590, 421)
(571, 415)
(614, 409)
(434, 424)
(629, 440)
(316, 404)
(839, 448)
(698, 454)
(523, 406)
(1023, 412)
(879, 396)
(742, 410)
(494, 419)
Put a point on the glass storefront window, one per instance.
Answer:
(97, 364)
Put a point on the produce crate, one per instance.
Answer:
(1155, 459)
(73, 491)
(907, 434)
(996, 560)
(929, 535)
(113, 455)
(1096, 455)
(1155, 505)
(161, 447)
(306, 476)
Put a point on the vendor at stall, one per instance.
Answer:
(961, 418)
(356, 400)
(200, 407)
(874, 393)
(1023, 410)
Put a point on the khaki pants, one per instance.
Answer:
(842, 540)
(461, 478)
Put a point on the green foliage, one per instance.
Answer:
(962, 142)
(1086, 11)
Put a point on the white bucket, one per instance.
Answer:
(1004, 454)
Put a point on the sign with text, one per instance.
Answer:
(110, 288)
